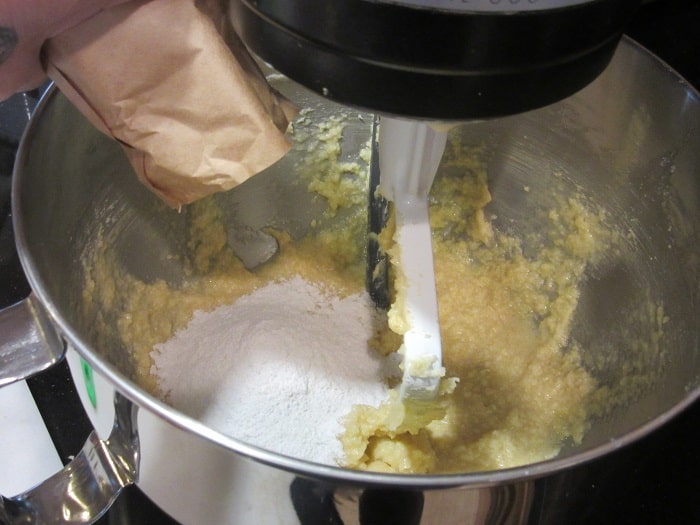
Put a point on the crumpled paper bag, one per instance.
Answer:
(182, 96)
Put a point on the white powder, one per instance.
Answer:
(278, 368)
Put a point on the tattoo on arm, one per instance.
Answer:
(8, 42)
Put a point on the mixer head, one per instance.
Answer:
(436, 59)
(429, 59)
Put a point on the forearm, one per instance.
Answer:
(24, 27)
(8, 42)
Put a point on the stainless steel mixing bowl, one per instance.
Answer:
(630, 142)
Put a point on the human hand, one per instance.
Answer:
(24, 27)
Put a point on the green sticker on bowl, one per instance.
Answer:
(89, 382)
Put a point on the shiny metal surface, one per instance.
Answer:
(30, 343)
(88, 485)
(630, 141)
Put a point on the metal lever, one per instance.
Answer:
(30, 342)
(85, 489)
(88, 485)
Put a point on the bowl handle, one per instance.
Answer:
(85, 489)
(89, 484)
(30, 342)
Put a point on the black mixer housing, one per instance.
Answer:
(425, 59)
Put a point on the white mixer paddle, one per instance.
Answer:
(409, 155)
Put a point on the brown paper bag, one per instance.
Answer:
(157, 76)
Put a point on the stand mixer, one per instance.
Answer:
(436, 59)
(229, 479)
(430, 60)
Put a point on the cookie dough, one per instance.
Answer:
(519, 389)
